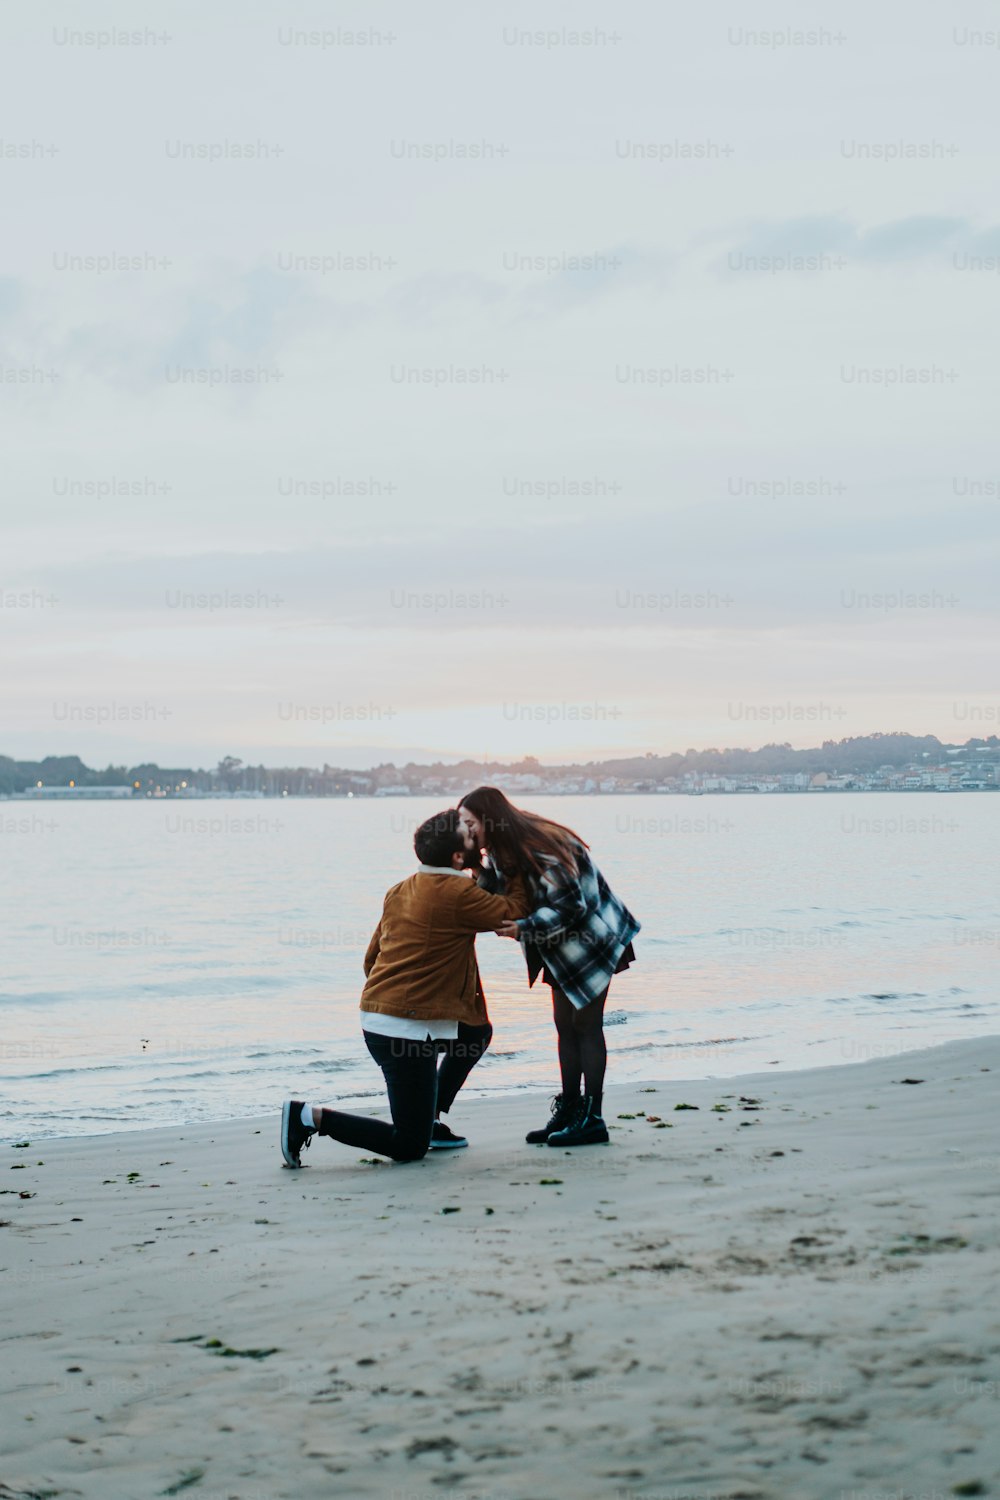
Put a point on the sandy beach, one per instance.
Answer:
(788, 1290)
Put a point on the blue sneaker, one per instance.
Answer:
(444, 1139)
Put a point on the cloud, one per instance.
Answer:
(127, 333)
(909, 239)
(11, 295)
(246, 315)
(916, 237)
(674, 572)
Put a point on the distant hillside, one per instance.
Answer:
(864, 753)
(56, 770)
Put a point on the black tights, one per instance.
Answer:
(583, 1052)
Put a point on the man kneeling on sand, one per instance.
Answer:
(422, 997)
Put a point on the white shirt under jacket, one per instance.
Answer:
(416, 1031)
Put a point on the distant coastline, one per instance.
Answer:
(126, 794)
(867, 763)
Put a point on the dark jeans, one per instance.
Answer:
(414, 1085)
(460, 1057)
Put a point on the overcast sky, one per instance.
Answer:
(667, 358)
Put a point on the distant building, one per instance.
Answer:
(519, 781)
(75, 793)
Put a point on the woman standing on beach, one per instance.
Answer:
(577, 935)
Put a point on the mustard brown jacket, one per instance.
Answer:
(421, 961)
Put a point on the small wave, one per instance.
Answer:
(38, 997)
(615, 1018)
(328, 1065)
(715, 1041)
(287, 1052)
(70, 1072)
(321, 1065)
(892, 995)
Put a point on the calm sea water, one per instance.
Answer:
(169, 962)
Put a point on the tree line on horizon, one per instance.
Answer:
(860, 753)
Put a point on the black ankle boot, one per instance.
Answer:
(563, 1110)
(586, 1128)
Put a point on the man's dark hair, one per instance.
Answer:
(437, 840)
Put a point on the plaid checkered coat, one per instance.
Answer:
(578, 929)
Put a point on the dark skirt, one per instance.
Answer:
(626, 960)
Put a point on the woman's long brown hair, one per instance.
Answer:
(514, 838)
